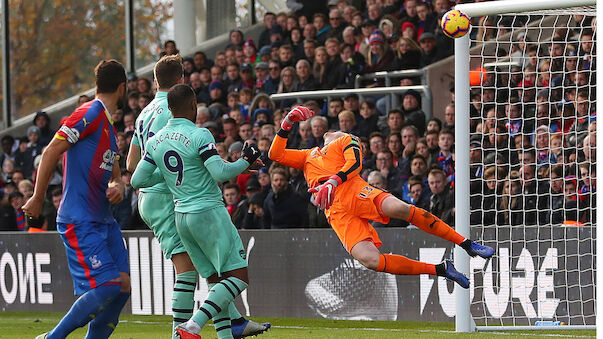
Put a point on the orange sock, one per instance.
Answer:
(397, 264)
(433, 225)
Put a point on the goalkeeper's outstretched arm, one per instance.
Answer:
(278, 151)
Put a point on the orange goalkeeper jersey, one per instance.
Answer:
(342, 156)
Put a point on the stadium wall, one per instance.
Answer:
(307, 273)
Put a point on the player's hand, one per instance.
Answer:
(33, 207)
(325, 193)
(258, 163)
(299, 113)
(250, 153)
(115, 193)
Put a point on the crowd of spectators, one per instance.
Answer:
(532, 128)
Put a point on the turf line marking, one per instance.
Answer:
(377, 329)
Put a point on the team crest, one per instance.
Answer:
(95, 262)
(242, 254)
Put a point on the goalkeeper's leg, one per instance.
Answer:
(368, 255)
(395, 208)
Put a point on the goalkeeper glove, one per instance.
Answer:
(325, 193)
(299, 113)
(250, 153)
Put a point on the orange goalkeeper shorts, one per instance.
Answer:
(356, 202)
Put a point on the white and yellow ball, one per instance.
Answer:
(455, 24)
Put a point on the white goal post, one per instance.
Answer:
(465, 320)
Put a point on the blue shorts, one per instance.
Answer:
(96, 253)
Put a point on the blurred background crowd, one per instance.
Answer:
(533, 125)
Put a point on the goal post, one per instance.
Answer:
(531, 256)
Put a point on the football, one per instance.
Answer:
(455, 24)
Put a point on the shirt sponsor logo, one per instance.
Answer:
(108, 159)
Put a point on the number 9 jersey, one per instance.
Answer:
(180, 151)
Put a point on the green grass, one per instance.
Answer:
(21, 325)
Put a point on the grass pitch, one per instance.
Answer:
(20, 325)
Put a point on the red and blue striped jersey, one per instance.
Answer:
(88, 164)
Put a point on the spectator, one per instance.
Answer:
(235, 38)
(42, 121)
(352, 64)
(442, 199)
(320, 126)
(322, 29)
(409, 31)
(122, 212)
(445, 158)
(418, 194)
(337, 24)
(143, 100)
(169, 48)
(7, 148)
(306, 81)
(200, 61)
(449, 117)
(283, 208)
(233, 202)
(426, 20)
(143, 85)
(335, 107)
(395, 121)
(431, 52)
(16, 201)
(24, 158)
(320, 66)
(8, 168)
(347, 122)
(304, 136)
(254, 219)
(216, 93)
(351, 103)
(269, 21)
(394, 145)
(407, 56)
(367, 118)
(287, 84)
(392, 174)
(511, 203)
(413, 114)
(379, 56)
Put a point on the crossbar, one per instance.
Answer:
(515, 6)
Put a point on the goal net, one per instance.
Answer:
(532, 136)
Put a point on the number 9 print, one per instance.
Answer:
(178, 168)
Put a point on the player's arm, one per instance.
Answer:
(117, 188)
(352, 154)
(223, 171)
(48, 162)
(146, 174)
(325, 193)
(133, 157)
(278, 151)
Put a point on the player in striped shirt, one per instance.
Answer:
(96, 254)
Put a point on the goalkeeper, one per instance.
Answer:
(350, 202)
(186, 158)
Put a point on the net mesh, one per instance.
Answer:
(533, 167)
